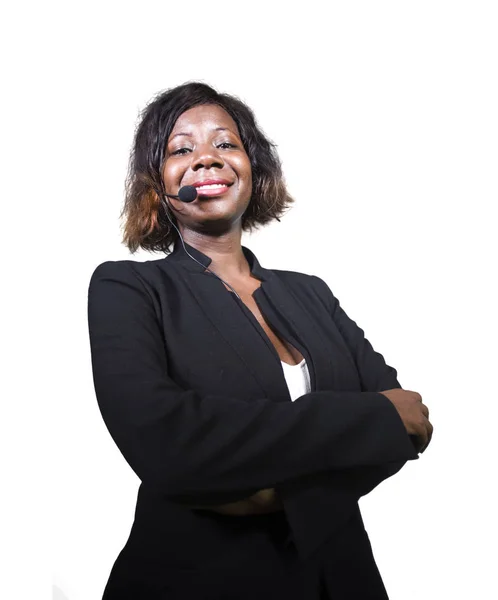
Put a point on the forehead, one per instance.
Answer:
(207, 117)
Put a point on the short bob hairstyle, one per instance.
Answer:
(146, 224)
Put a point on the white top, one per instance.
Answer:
(297, 378)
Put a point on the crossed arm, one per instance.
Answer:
(150, 417)
(375, 375)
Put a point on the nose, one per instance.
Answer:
(206, 157)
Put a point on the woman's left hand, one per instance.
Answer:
(267, 499)
(262, 502)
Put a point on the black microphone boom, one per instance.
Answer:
(187, 193)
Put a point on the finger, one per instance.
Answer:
(423, 436)
(430, 429)
(417, 396)
(425, 411)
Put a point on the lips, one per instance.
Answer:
(212, 187)
(211, 182)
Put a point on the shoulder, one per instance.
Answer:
(124, 277)
(124, 287)
(126, 268)
(294, 278)
(307, 285)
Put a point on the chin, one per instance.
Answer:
(215, 227)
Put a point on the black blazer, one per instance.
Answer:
(193, 393)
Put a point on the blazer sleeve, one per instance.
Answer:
(375, 376)
(188, 445)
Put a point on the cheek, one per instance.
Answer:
(248, 186)
(172, 173)
(245, 171)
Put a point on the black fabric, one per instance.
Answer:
(193, 393)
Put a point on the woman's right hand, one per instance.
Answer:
(413, 413)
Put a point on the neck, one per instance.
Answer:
(225, 252)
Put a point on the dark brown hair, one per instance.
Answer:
(146, 225)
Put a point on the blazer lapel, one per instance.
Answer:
(292, 319)
(238, 326)
(234, 321)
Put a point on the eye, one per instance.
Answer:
(226, 145)
(180, 151)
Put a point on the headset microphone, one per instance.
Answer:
(187, 193)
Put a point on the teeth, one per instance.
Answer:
(212, 186)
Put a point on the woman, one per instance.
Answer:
(252, 408)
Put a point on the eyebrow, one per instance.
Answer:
(190, 135)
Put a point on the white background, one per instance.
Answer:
(385, 116)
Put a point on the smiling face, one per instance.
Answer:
(205, 150)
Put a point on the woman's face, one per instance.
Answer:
(205, 150)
